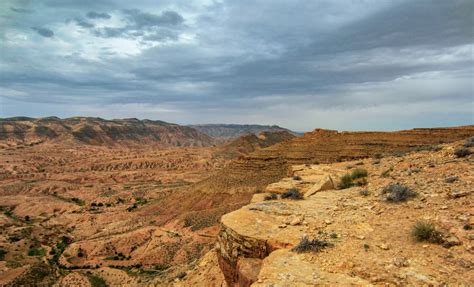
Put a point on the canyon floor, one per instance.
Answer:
(87, 207)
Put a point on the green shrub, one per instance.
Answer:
(364, 192)
(314, 245)
(462, 152)
(36, 252)
(425, 231)
(359, 173)
(346, 181)
(397, 193)
(469, 142)
(292, 193)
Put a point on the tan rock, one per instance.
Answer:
(326, 183)
(286, 268)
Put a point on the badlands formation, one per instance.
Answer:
(142, 203)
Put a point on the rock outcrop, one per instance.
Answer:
(367, 240)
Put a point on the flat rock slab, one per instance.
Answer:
(286, 268)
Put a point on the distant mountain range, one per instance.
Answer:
(230, 131)
(93, 130)
(100, 131)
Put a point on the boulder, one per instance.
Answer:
(326, 183)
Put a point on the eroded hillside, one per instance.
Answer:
(97, 131)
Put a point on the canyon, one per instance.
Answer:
(89, 201)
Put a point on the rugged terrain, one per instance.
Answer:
(98, 131)
(85, 206)
(364, 237)
(253, 172)
(77, 213)
(232, 131)
(249, 143)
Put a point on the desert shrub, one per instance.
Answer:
(297, 177)
(361, 181)
(100, 204)
(2, 254)
(359, 173)
(313, 245)
(378, 156)
(36, 252)
(27, 218)
(467, 226)
(292, 193)
(96, 281)
(181, 275)
(271, 196)
(428, 148)
(77, 201)
(346, 181)
(462, 152)
(357, 177)
(364, 192)
(397, 193)
(425, 231)
(469, 142)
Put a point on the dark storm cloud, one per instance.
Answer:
(288, 63)
(84, 24)
(143, 19)
(45, 32)
(96, 15)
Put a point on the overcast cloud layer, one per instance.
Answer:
(347, 65)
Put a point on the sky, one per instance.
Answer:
(300, 64)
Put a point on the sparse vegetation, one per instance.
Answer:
(95, 281)
(78, 201)
(313, 245)
(467, 226)
(346, 181)
(296, 177)
(469, 142)
(462, 152)
(425, 231)
(359, 173)
(2, 254)
(36, 252)
(378, 156)
(357, 177)
(364, 192)
(397, 193)
(292, 193)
